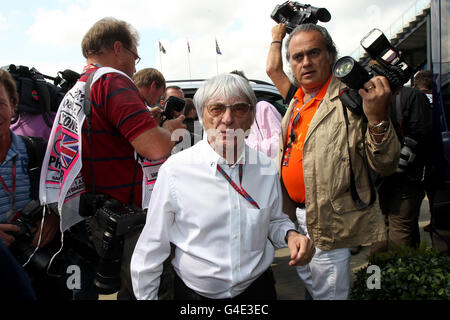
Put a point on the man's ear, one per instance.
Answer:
(154, 86)
(331, 59)
(117, 47)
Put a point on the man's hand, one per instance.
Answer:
(156, 114)
(174, 124)
(301, 248)
(7, 238)
(176, 127)
(51, 228)
(278, 32)
(376, 96)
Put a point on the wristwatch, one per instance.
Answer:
(380, 128)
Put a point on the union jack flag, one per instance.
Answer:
(68, 150)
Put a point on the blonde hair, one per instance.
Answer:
(145, 77)
(104, 33)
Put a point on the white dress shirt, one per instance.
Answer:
(222, 241)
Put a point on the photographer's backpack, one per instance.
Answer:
(36, 147)
(37, 96)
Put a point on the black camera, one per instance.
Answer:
(173, 104)
(30, 81)
(21, 248)
(388, 62)
(66, 79)
(293, 14)
(110, 223)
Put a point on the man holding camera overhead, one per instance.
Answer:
(325, 155)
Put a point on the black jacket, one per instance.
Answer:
(410, 112)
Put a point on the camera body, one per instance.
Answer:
(66, 79)
(21, 248)
(113, 220)
(173, 104)
(293, 14)
(407, 154)
(386, 61)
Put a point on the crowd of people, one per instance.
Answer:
(145, 205)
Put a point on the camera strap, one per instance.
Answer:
(355, 196)
(11, 214)
(87, 108)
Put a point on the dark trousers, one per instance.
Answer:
(400, 201)
(263, 288)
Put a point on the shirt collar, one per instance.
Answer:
(212, 158)
(91, 66)
(317, 95)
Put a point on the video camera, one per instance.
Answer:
(173, 104)
(36, 94)
(388, 63)
(22, 248)
(66, 79)
(114, 221)
(293, 14)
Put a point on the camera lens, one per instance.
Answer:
(323, 15)
(107, 279)
(343, 67)
(350, 72)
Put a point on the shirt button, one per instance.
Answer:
(235, 236)
(235, 268)
(235, 207)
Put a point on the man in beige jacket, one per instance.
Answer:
(325, 157)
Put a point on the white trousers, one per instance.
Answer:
(327, 276)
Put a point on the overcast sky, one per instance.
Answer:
(46, 34)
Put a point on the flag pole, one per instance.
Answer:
(160, 61)
(189, 62)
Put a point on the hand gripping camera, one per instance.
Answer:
(22, 248)
(388, 62)
(293, 14)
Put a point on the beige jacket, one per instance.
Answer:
(332, 219)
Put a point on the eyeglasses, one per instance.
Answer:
(136, 57)
(239, 109)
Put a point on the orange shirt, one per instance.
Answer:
(292, 174)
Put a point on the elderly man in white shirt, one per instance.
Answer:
(219, 203)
